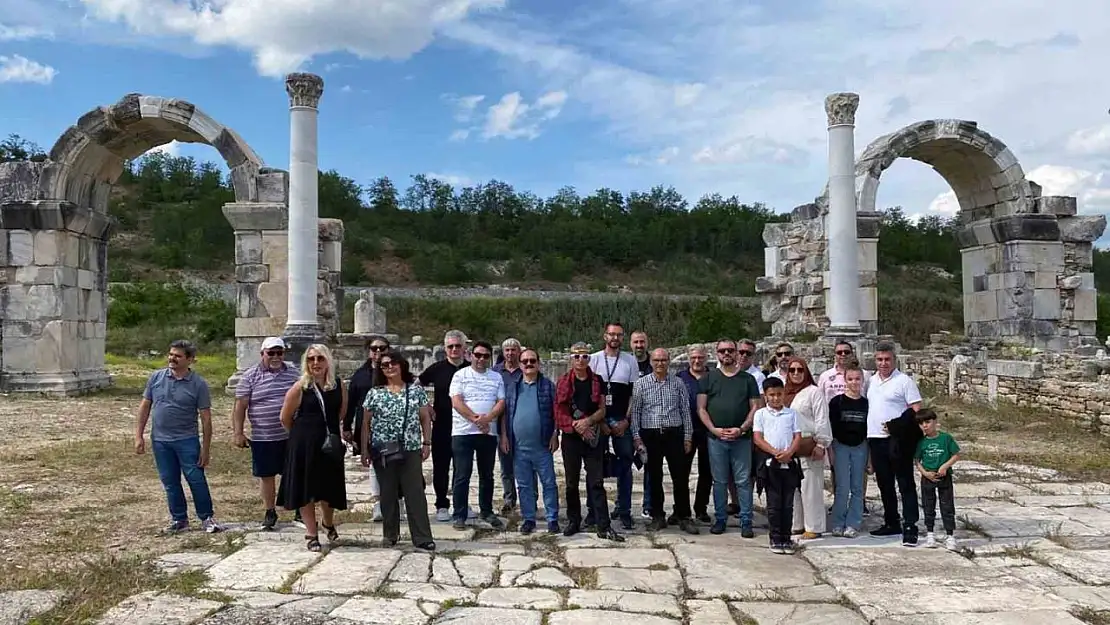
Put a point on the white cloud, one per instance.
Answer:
(173, 148)
(283, 35)
(16, 68)
(345, 89)
(512, 118)
(459, 135)
(23, 33)
(464, 105)
(455, 180)
(1090, 141)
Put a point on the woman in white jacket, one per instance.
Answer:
(808, 401)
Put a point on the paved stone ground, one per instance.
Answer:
(1035, 549)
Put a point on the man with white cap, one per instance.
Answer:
(258, 398)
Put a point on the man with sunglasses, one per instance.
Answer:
(529, 438)
(258, 398)
(783, 353)
(831, 381)
(618, 371)
(439, 376)
(511, 370)
(358, 385)
(478, 399)
(728, 399)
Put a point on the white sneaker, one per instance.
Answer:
(443, 515)
(950, 543)
(376, 514)
(404, 512)
(850, 532)
(930, 541)
(210, 526)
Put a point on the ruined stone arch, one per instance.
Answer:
(55, 228)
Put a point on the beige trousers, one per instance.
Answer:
(809, 500)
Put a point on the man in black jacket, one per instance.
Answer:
(358, 385)
(439, 376)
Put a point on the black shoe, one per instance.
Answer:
(657, 525)
(687, 525)
(493, 521)
(614, 515)
(270, 520)
(718, 528)
(507, 508)
(590, 524)
(746, 531)
(909, 536)
(572, 528)
(626, 522)
(428, 546)
(553, 527)
(704, 517)
(673, 519)
(886, 530)
(610, 534)
(527, 527)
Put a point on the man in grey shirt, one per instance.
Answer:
(176, 396)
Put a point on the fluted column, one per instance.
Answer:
(302, 326)
(843, 303)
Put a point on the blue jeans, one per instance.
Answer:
(622, 449)
(647, 491)
(177, 458)
(731, 459)
(464, 449)
(508, 482)
(527, 464)
(850, 471)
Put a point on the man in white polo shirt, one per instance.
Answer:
(889, 394)
(477, 399)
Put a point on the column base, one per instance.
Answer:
(298, 338)
(847, 333)
(56, 384)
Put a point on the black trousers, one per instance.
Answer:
(442, 455)
(929, 491)
(780, 485)
(577, 452)
(667, 444)
(705, 472)
(405, 478)
(895, 470)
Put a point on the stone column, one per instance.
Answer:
(302, 327)
(843, 304)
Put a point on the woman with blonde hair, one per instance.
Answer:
(808, 401)
(313, 474)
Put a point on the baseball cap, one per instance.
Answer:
(272, 342)
(580, 348)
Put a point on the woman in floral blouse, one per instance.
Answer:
(397, 438)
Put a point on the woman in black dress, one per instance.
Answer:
(312, 410)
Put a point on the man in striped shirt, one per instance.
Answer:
(258, 398)
(660, 415)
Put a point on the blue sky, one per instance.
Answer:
(620, 93)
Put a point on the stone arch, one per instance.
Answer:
(54, 229)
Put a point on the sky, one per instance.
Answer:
(626, 94)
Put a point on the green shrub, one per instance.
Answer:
(146, 316)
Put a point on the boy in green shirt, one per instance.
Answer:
(936, 453)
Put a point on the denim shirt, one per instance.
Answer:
(545, 392)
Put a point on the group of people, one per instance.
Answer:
(776, 429)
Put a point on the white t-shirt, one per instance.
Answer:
(623, 368)
(888, 399)
(480, 391)
(778, 374)
(777, 426)
(757, 373)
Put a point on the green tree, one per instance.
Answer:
(16, 148)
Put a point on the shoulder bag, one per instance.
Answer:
(333, 446)
(392, 452)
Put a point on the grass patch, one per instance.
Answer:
(586, 578)
(130, 373)
(658, 566)
(1089, 615)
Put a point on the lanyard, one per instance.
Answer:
(609, 372)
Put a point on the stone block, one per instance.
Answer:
(273, 298)
(331, 255)
(1044, 280)
(256, 216)
(1046, 304)
(1026, 227)
(1015, 303)
(868, 225)
(1082, 228)
(273, 186)
(275, 253)
(868, 303)
(71, 303)
(244, 180)
(69, 249)
(868, 257)
(3, 247)
(770, 261)
(811, 302)
(248, 247)
(96, 309)
(330, 229)
(33, 274)
(1032, 256)
(254, 272)
(32, 302)
(258, 326)
(1060, 205)
(769, 285)
(86, 279)
(1024, 369)
(805, 212)
(1084, 280)
(1079, 256)
(21, 248)
(982, 306)
(1086, 305)
(774, 234)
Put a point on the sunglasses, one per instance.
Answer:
(784, 354)
(796, 370)
(316, 359)
(454, 346)
(378, 348)
(528, 361)
(746, 352)
(581, 356)
(843, 352)
(386, 364)
(275, 352)
(481, 355)
(727, 350)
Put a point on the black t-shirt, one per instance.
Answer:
(848, 418)
(645, 366)
(439, 376)
(583, 397)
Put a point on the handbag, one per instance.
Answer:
(392, 452)
(333, 446)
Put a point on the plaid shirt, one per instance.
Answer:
(564, 397)
(658, 404)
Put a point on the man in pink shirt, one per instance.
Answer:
(831, 382)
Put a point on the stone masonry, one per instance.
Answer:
(1026, 258)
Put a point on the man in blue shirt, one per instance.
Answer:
(529, 436)
(177, 396)
(511, 371)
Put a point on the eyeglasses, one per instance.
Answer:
(843, 352)
(784, 354)
(727, 350)
(746, 352)
(528, 361)
(453, 346)
(275, 352)
(796, 370)
(378, 348)
(316, 359)
(386, 364)
(665, 360)
(615, 335)
(581, 356)
(481, 355)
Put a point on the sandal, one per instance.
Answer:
(333, 534)
(312, 543)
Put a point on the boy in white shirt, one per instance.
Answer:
(776, 434)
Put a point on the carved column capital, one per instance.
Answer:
(841, 108)
(304, 89)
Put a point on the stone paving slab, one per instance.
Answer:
(1090, 567)
(631, 558)
(381, 611)
(436, 593)
(668, 582)
(605, 617)
(623, 601)
(798, 613)
(242, 615)
(150, 608)
(275, 600)
(262, 566)
(348, 571)
(173, 563)
(1031, 617)
(17, 607)
(529, 598)
(708, 612)
(713, 572)
(489, 616)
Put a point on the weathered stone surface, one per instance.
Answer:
(187, 561)
(151, 608)
(443, 572)
(242, 615)
(546, 577)
(286, 602)
(605, 617)
(625, 602)
(643, 580)
(18, 607)
(260, 566)
(1027, 617)
(489, 616)
(514, 562)
(1090, 567)
(381, 611)
(623, 558)
(414, 567)
(348, 571)
(1082, 228)
(529, 598)
(431, 592)
(708, 612)
(476, 570)
(840, 108)
(798, 613)
(712, 572)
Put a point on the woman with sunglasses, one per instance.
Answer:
(396, 438)
(808, 401)
(311, 412)
(358, 385)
